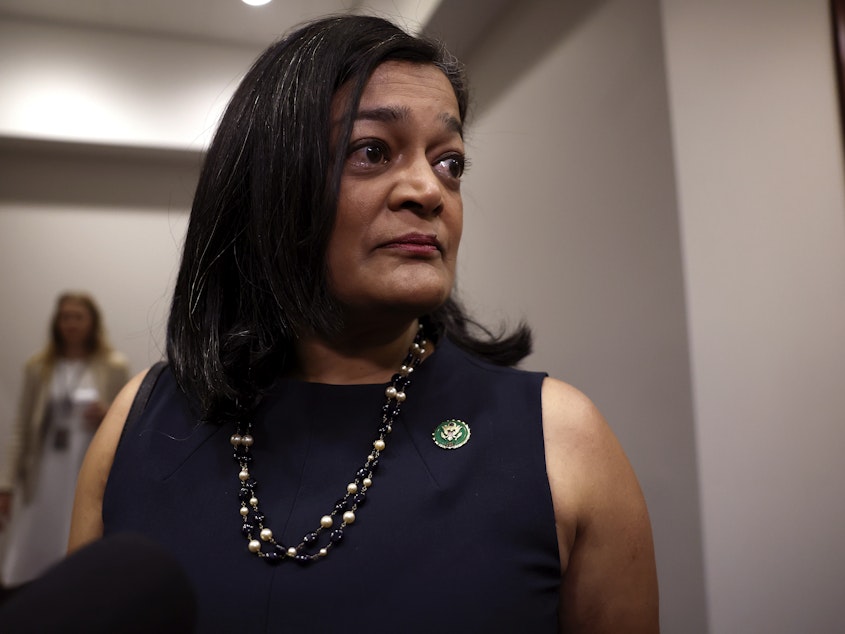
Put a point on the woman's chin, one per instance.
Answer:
(422, 300)
(399, 306)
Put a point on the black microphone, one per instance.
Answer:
(122, 583)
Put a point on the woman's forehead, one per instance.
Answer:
(68, 305)
(400, 81)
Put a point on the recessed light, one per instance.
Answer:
(255, 3)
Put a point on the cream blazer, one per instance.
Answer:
(110, 372)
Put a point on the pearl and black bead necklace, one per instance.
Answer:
(313, 546)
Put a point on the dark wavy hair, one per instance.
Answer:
(253, 276)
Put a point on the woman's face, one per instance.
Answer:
(75, 323)
(399, 217)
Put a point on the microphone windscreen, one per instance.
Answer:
(121, 583)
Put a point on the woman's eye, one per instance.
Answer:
(374, 154)
(453, 166)
(368, 154)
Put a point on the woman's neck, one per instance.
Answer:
(354, 358)
(74, 352)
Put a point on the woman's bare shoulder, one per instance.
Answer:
(87, 522)
(607, 555)
(579, 444)
(568, 409)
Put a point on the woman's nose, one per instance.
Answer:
(417, 188)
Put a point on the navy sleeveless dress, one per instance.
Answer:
(460, 540)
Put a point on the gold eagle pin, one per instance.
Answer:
(451, 434)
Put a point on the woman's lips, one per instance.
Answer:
(414, 243)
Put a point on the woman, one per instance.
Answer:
(66, 391)
(328, 407)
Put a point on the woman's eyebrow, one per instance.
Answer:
(452, 123)
(391, 114)
(385, 114)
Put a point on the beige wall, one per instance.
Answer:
(760, 177)
(571, 223)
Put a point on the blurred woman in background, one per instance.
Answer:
(67, 389)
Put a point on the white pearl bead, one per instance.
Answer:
(266, 534)
(244, 475)
(400, 396)
(390, 392)
(235, 439)
(244, 511)
(323, 552)
(349, 517)
(326, 521)
(253, 501)
(254, 546)
(367, 482)
(291, 552)
(390, 429)
(352, 488)
(379, 445)
(247, 440)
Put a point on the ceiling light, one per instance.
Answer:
(255, 3)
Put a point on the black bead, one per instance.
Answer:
(359, 498)
(273, 557)
(302, 559)
(258, 518)
(341, 505)
(336, 536)
(310, 538)
(244, 494)
(363, 473)
(247, 529)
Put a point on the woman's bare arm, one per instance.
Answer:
(607, 556)
(87, 521)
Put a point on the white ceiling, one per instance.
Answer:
(459, 23)
(223, 20)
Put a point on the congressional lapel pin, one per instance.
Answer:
(451, 434)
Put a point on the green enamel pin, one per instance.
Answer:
(451, 434)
